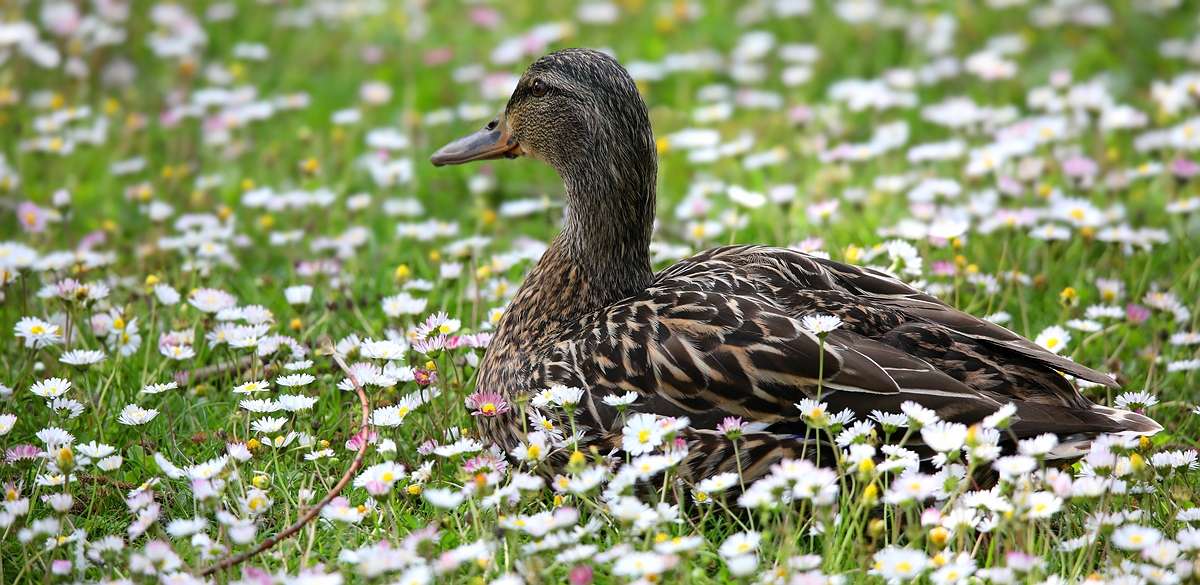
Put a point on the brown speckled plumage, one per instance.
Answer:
(719, 334)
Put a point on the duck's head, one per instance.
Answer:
(576, 110)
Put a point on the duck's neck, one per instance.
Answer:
(608, 224)
(601, 256)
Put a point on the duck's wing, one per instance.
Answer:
(782, 267)
(689, 347)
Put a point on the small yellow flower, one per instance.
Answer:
(871, 494)
(938, 536)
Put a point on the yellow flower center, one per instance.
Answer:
(488, 408)
(644, 436)
(534, 451)
(37, 330)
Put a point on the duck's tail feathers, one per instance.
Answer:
(1078, 445)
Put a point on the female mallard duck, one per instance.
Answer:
(719, 334)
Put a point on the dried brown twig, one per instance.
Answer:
(185, 377)
(333, 493)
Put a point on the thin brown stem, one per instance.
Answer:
(333, 493)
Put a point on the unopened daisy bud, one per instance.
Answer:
(871, 494)
(224, 212)
(577, 460)
(865, 468)
(559, 500)
(876, 528)
(151, 280)
(247, 184)
(267, 221)
(402, 272)
(938, 536)
(413, 490)
(1068, 296)
(1144, 442)
(1138, 463)
(732, 427)
(972, 439)
(65, 459)
(261, 481)
(296, 324)
(310, 166)
(253, 445)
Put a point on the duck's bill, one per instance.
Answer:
(491, 142)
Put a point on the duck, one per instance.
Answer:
(722, 334)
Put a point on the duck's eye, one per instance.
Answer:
(539, 88)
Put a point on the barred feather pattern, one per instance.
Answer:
(720, 334)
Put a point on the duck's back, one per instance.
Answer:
(720, 334)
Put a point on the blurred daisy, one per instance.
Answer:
(38, 333)
(252, 387)
(82, 357)
(1053, 338)
(134, 415)
(157, 388)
